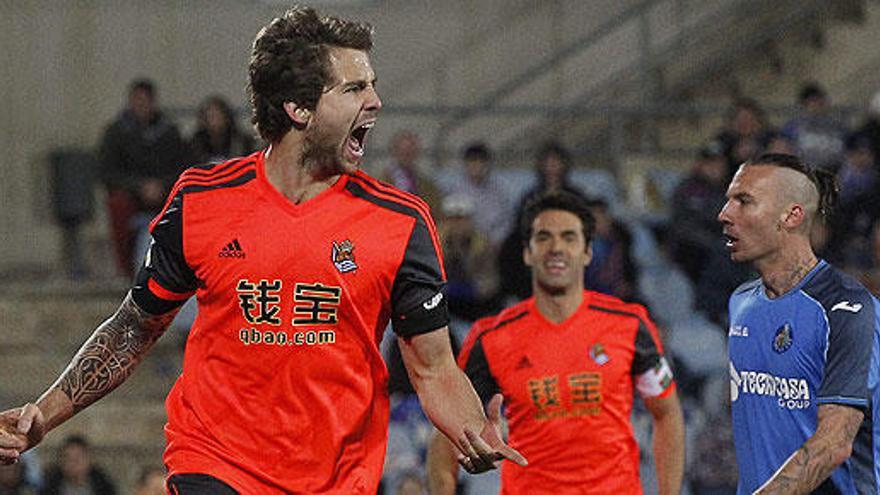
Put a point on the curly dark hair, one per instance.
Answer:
(290, 63)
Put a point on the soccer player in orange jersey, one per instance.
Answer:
(298, 261)
(566, 362)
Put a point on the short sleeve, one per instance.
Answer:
(650, 369)
(165, 281)
(850, 342)
(418, 304)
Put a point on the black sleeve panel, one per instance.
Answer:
(165, 265)
(477, 369)
(417, 301)
(647, 353)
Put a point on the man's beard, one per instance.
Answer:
(319, 158)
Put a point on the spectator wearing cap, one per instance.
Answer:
(747, 134)
(695, 232)
(478, 182)
(469, 256)
(818, 138)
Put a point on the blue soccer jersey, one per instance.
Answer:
(817, 344)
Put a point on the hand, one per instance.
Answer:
(487, 448)
(20, 429)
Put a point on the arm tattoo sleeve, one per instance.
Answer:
(112, 352)
(810, 465)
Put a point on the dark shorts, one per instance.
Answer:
(198, 484)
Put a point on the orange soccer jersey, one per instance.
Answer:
(283, 387)
(569, 391)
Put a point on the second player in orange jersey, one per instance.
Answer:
(566, 362)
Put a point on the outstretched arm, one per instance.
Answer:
(668, 442)
(814, 462)
(450, 402)
(106, 359)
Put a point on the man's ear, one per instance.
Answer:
(794, 217)
(527, 255)
(299, 115)
(589, 258)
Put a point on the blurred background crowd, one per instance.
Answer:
(657, 239)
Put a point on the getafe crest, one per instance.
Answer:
(597, 352)
(343, 256)
(783, 338)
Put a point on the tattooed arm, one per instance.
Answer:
(105, 360)
(814, 462)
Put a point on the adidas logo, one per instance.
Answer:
(232, 250)
(524, 363)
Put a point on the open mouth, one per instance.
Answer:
(555, 266)
(358, 138)
(730, 241)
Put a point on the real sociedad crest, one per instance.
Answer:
(343, 256)
(597, 352)
(783, 339)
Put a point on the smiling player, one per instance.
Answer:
(566, 362)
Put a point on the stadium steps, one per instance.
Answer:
(43, 328)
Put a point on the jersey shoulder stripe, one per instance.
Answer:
(484, 326)
(189, 176)
(360, 190)
(220, 175)
(240, 176)
(215, 168)
(386, 190)
(402, 195)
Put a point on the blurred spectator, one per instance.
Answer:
(612, 270)
(858, 175)
(695, 231)
(871, 127)
(718, 280)
(471, 278)
(714, 469)
(859, 204)
(151, 482)
(403, 171)
(818, 138)
(870, 276)
(552, 173)
(747, 134)
(477, 182)
(75, 473)
(665, 288)
(141, 156)
(779, 143)
(217, 137)
(13, 481)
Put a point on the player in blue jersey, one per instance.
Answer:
(803, 342)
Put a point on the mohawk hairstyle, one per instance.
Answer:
(824, 181)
